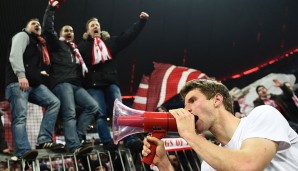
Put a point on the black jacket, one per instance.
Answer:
(32, 59)
(104, 74)
(63, 61)
(284, 100)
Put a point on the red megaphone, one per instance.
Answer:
(128, 121)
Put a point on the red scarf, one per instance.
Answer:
(76, 52)
(79, 59)
(100, 52)
(45, 53)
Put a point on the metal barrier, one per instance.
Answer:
(47, 160)
(99, 160)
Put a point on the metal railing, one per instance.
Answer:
(98, 160)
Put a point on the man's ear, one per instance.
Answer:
(218, 100)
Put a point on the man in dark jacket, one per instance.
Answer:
(280, 102)
(23, 84)
(66, 75)
(101, 82)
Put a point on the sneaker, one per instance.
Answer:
(110, 146)
(51, 146)
(79, 152)
(29, 155)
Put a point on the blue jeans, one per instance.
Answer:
(105, 97)
(18, 100)
(74, 129)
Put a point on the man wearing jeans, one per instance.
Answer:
(66, 74)
(23, 84)
(99, 51)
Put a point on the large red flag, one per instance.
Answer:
(165, 82)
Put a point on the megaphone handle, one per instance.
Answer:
(158, 134)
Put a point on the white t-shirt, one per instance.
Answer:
(266, 122)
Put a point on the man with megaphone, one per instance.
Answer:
(261, 141)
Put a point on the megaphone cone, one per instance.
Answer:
(119, 128)
(128, 121)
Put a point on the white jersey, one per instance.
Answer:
(266, 122)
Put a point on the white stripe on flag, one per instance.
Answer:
(202, 75)
(140, 100)
(163, 90)
(144, 86)
(184, 78)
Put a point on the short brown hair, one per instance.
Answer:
(91, 19)
(63, 27)
(85, 35)
(209, 88)
(32, 19)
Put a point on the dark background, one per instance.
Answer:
(218, 37)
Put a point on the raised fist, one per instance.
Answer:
(144, 16)
(55, 3)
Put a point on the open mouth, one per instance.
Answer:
(196, 118)
(68, 36)
(37, 29)
(96, 31)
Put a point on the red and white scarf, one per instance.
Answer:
(100, 52)
(77, 53)
(45, 53)
(79, 59)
